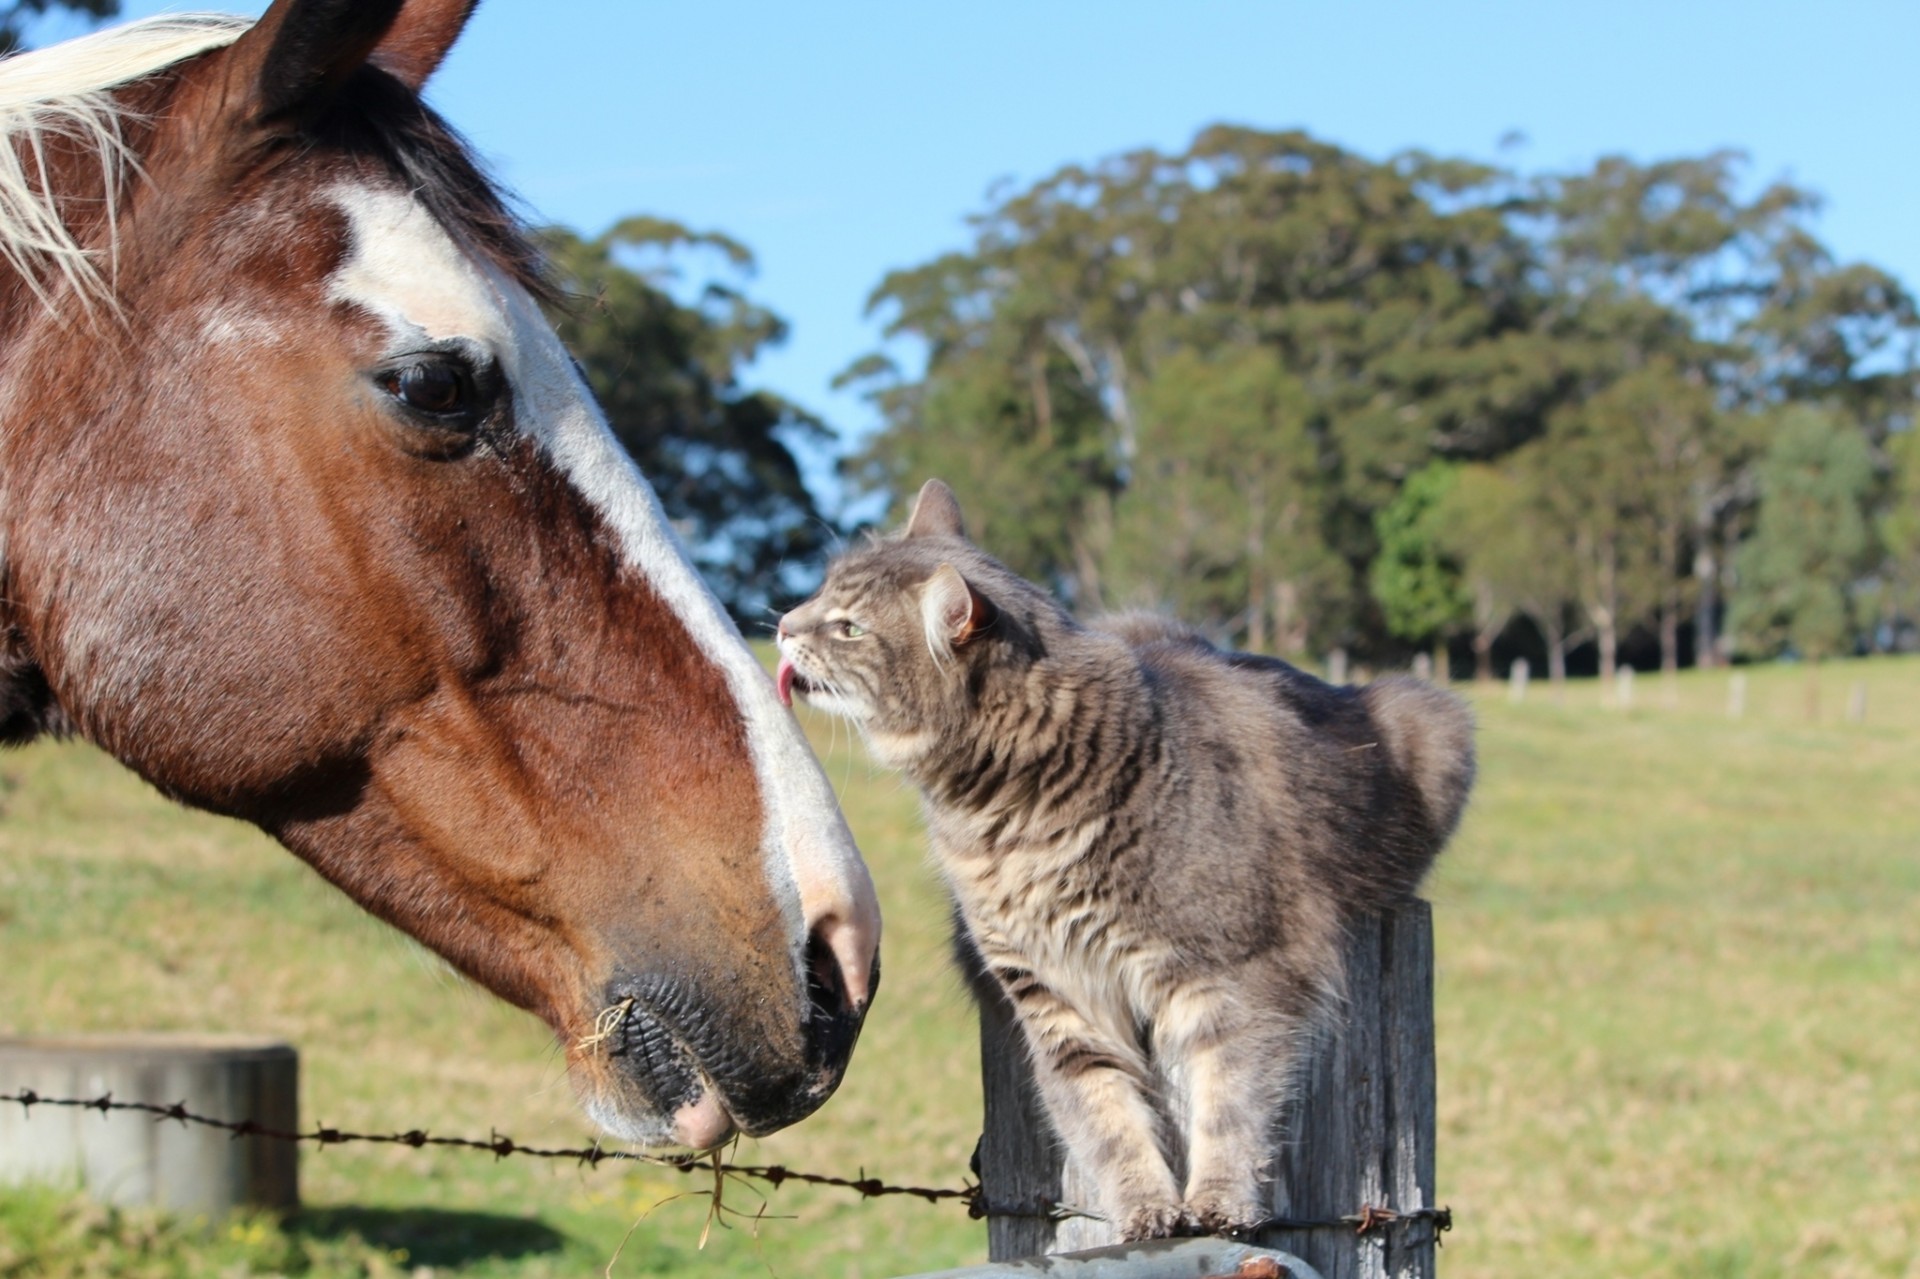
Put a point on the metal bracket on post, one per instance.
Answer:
(1161, 1259)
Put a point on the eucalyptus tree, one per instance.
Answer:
(1375, 315)
(669, 373)
(1713, 307)
(1515, 556)
(17, 15)
(1417, 577)
(1812, 538)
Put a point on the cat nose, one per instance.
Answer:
(780, 630)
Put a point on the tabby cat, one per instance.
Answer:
(1154, 845)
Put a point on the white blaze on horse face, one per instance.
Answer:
(404, 268)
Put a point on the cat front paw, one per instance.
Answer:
(1225, 1210)
(1149, 1221)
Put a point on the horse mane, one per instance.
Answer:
(64, 94)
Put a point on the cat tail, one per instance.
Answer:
(1428, 735)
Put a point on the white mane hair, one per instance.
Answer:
(65, 92)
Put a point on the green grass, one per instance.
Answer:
(1679, 965)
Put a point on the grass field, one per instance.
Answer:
(1679, 1015)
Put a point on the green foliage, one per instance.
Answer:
(1206, 379)
(1899, 528)
(668, 374)
(17, 15)
(1811, 539)
(1373, 314)
(47, 1234)
(1416, 577)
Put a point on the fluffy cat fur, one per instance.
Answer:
(1154, 846)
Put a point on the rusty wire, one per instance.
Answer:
(1368, 1220)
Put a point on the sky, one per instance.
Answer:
(840, 141)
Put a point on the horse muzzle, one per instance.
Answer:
(672, 1069)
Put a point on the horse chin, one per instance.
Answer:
(697, 1125)
(628, 1106)
(657, 1072)
(703, 1124)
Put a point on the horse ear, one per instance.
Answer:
(419, 39)
(952, 610)
(936, 513)
(301, 51)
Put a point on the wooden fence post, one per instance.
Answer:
(1360, 1134)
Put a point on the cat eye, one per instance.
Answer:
(850, 629)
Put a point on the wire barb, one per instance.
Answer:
(1370, 1219)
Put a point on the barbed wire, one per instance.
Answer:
(1368, 1220)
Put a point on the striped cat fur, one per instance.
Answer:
(1154, 846)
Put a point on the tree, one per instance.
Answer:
(1515, 556)
(17, 15)
(1384, 304)
(1811, 539)
(1417, 577)
(1586, 483)
(668, 375)
(1224, 513)
(1899, 531)
(1721, 307)
(1209, 379)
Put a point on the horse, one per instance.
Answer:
(308, 518)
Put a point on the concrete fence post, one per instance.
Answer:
(132, 1159)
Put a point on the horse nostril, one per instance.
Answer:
(835, 1011)
(826, 983)
(834, 1014)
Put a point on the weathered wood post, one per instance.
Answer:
(1359, 1136)
(132, 1159)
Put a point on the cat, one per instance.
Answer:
(1154, 846)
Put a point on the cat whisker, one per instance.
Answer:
(1094, 756)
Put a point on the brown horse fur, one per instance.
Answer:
(423, 654)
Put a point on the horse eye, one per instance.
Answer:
(440, 388)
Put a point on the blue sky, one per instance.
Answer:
(841, 140)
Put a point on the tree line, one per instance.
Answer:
(1311, 400)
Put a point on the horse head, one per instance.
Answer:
(307, 516)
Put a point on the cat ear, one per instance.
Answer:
(936, 513)
(952, 610)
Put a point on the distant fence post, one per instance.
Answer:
(134, 1159)
(1517, 680)
(1359, 1136)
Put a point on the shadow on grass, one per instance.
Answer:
(431, 1236)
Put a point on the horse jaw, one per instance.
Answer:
(403, 268)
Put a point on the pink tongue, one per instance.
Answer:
(783, 680)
